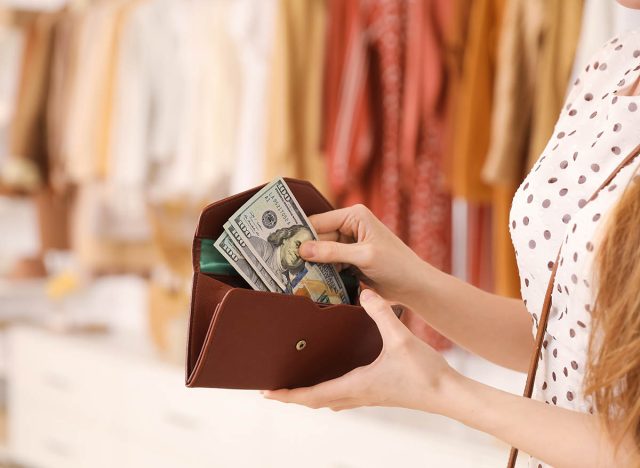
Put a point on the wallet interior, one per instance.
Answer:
(213, 263)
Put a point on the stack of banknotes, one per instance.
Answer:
(261, 242)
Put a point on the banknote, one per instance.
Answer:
(273, 227)
(228, 249)
(250, 257)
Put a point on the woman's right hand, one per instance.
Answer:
(354, 236)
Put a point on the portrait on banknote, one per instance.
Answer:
(280, 251)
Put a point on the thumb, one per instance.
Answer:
(331, 252)
(381, 312)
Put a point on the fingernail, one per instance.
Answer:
(307, 249)
(366, 295)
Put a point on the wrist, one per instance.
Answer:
(423, 278)
(449, 393)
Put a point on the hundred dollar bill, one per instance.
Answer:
(273, 226)
(228, 249)
(249, 256)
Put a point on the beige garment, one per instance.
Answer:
(294, 108)
(63, 71)
(518, 56)
(120, 11)
(11, 53)
(529, 90)
(102, 253)
(110, 228)
(27, 138)
(561, 32)
(88, 113)
(518, 53)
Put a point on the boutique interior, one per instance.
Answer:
(120, 120)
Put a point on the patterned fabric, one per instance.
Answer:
(596, 130)
(384, 112)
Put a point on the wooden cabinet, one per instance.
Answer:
(107, 401)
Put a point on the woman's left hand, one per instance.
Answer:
(408, 373)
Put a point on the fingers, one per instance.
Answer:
(344, 220)
(381, 312)
(334, 252)
(329, 236)
(316, 396)
(334, 405)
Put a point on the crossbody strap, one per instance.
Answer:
(546, 305)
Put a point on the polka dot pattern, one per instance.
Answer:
(552, 208)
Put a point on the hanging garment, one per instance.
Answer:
(475, 100)
(63, 72)
(518, 57)
(27, 139)
(480, 270)
(505, 268)
(472, 126)
(346, 136)
(252, 30)
(428, 213)
(560, 38)
(176, 101)
(104, 253)
(88, 112)
(295, 86)
(362, 137)
(110, 229)
(11, 50)
(518, 53)
(385, 108)
(455, 40)
(536, 37)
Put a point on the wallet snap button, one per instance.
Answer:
(300, 345)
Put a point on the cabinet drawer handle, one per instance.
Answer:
(57, 448)
(181, 420)
(57, 381)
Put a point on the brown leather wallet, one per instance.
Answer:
(246, 339)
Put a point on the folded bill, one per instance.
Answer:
(227, 248)
(272, 226)
(250, 257)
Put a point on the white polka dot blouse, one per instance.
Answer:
(598, 126)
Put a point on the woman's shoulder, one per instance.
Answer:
(619, 52)
(605, 70)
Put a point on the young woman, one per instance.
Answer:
(585, 409)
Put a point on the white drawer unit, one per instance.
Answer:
(108, 401)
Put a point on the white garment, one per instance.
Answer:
(11, 49)
(595, 130)
(175, 107)
(84, 120)
(252, 29)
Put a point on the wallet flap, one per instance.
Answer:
(261, 340)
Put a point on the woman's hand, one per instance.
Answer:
(407, 373)
(355, 236)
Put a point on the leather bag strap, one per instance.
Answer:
(546, 305)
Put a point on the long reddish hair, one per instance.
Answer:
(613, 372)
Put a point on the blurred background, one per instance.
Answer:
(121, 119)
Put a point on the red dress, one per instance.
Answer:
(384, 113)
